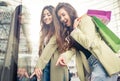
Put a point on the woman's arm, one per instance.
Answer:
(65, 57)
(47, 53)
(85, 32)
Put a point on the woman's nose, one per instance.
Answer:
(62, 19)
(45, 17)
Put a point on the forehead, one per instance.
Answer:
(62, 11)
(45, 11)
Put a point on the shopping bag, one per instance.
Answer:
(104, 16)
(108, 36)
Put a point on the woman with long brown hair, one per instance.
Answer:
(48, 51)
(93, 56)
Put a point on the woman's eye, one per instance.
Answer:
(63, 14)
(48, 15)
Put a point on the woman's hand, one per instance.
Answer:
(37, 72)
(61, 61)
(22, 73)
(76, 22)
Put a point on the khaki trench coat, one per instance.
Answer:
(87, 36)
(50, 52)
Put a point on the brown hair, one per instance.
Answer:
(48, 31)
(3, 3)
(65, 31)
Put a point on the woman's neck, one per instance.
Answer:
(70, 29)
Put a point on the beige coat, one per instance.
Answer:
(88, 37)
(57, 73)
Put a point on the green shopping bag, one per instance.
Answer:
(108, 36)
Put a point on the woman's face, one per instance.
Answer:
(47, 17)
(64, 17)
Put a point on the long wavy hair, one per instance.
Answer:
(48, 30)
(64, 30)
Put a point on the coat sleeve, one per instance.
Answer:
(87, 36)
(85, 32)
(47, 53)
(24, 61)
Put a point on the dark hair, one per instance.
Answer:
(69, 9)
(48, 31)
(3, 3)
(64, 30)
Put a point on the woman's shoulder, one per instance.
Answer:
(53, 39)
(85, 16)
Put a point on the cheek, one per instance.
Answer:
(44, 20)
(51, 19)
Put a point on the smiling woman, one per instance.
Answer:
(47, 17)
(34, 7)
(35, 12)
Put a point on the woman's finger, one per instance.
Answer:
(62, 62)
(26, 75)
(32, 75)
(57, 63)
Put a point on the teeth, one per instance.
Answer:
(65, 22)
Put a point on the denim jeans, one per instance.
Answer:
(98, 73)
(45, 76)
(46, 73)
(34, 78)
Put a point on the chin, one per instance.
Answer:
(68, 25)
